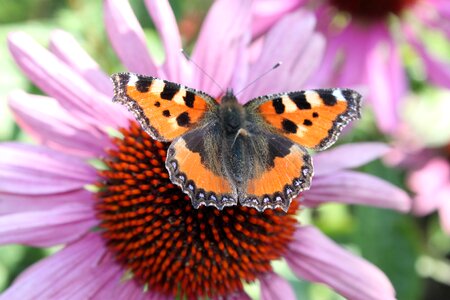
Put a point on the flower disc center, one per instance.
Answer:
(154, 232)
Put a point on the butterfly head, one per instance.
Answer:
(231, 113)
(229, 97)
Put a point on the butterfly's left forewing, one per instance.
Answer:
(165, 109)
(312, 118)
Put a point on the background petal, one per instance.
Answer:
(444, 210)
(59, 81)
(127, 37)
(267, 12)
(219, 44)
(299, 57)
(53, 126)
(387, 79)
(316, 258)
(427, 183)
(174, 67)
(66, 48)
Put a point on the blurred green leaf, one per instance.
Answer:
(15, 259)
(390, 240)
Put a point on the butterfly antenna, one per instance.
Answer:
(260, 76)
(201, 69)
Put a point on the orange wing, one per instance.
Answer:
(288, 172)
(312, 118)
(189, 169)
(164, 109)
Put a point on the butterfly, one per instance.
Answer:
(222, 152)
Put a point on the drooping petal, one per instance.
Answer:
(387, 79)
(66, 48)
(127, 37)
(315, 257)
(218, 47)
(117, 288)
(175, 65)
(356, 188)
(273, 287)
(59, 81)
(299, 57)
(239, 295)
(50, 227)
(28, 169)
(82, 270)
(347, 156)
(51, 125)
(268, 12)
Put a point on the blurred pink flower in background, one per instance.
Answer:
(364, 45)
(431, 185)
(43, 189)
(428, 173)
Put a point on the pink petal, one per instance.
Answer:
(299, 57)
(11, 203)
(438, 72)
(175, 67)
(116, 289)
(51, 125)
(315, 257)
(444, 210)
(356, 188)
(127, 37)
(267, 12)
(59, 81)
(27, 169)
(434, 14)
(427, 182)
(58, 225)
(82, 270)
(387, 79)
(219, 44)
(325, 74)
(239, 295)
(66, 48)
(352, 72)
(274, 287)
(347, 156)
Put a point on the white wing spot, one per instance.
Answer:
(132, 80)
(157, 86)
(313, 98)
(338, 94)
(289, 105)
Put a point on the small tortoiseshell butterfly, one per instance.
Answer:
(223, 152)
